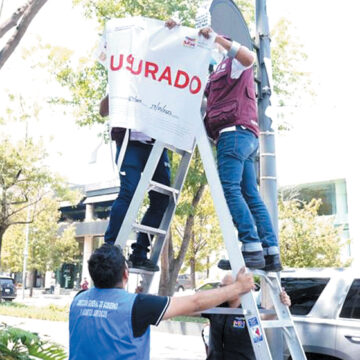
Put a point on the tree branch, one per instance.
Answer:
(29, 14)
(24, 207)
(12, 21)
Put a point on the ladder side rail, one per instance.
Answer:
(283, 312)
(170, 210)
(183, 169)
(139, 194)
(260, 346)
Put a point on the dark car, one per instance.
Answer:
(8, 288)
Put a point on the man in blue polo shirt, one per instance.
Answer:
(107, 322)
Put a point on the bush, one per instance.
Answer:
(18, 344)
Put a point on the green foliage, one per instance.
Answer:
(287, 57)
(47, 250)
(103, 10)
(86, 86)
(206, 235)
(307, 240)
(27, 186)
(18, 344)
(195, 178)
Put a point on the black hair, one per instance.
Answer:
(107, 266)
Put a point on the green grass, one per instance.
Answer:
(51, 312)
(61, 313)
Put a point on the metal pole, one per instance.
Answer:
(268, 180)
(27, 228)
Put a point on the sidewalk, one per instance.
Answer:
(164, 346)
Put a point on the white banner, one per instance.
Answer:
(156, 78)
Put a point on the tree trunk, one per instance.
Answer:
(176, 263)
(192, 263)
(28, 15)
(2, 233)
(31, 281)
(207, 267)
(164, 275)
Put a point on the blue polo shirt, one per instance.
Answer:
(113, 324)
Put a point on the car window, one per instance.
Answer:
(208, 286)
(351, 307)
(303, 292)
(6, 282)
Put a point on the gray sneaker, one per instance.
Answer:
(273, 263)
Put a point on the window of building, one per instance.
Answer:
(324, 191)
(303, 292)
(351, 307)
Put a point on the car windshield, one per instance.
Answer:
(6, 282)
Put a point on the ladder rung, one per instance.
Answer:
(263, 273)
(277, 323)
(140, 271)
(177, 150)
(234, 311)
(148, 229)
(163, 189)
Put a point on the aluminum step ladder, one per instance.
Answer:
(255, 325)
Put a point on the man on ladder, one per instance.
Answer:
(231, 120)
(137, 151)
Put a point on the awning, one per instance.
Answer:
(100, 198)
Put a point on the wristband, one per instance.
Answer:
(235, 47)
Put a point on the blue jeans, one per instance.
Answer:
(133, 164)
(236, 151)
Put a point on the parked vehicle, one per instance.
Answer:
(8, 288)
(326, 310)
(183, 282)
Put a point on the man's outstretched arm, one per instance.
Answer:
(185, 305)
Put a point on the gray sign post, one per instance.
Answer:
(268, 180)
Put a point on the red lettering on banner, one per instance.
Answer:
(177, 80)
(130, 59)
(196, 90)
(182, 78)
(166, 75)
(153, 71)
(118, 67)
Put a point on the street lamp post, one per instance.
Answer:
(27, 229)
